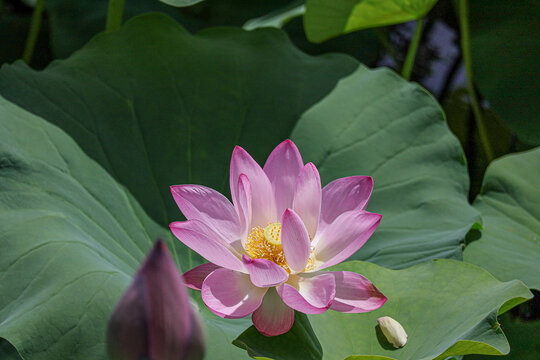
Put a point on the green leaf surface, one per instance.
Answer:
(326, 19)
(375, 123)
(156, 106)
(277, 18)
(71, 239)
(523, 339)
(298, 343)
(509, 246)
(447, 308)
(74, 23)
(505, 44)
(365, 45)
(154, 101)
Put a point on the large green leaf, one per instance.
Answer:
(298, 343)
(155, 101)
(74, 23)
(130, 99)
(505, 44)
(447, 308)
(325, 19)
(150, 107)
(71, 239)
(509, 245)
(156, 106)
(375, 123)
(365, 45)
(277, 18)
(523, 338)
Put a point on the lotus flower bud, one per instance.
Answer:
(393, 331)
(154, 320)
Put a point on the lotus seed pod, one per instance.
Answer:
(393, 331)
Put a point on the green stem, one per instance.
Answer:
(33, 32)
(413, 48)
(114, 15)
(467, 59)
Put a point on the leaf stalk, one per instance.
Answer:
(413, 49)
(463, 14)
(33, 31)
(115, 14)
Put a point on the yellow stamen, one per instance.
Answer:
(266, 244)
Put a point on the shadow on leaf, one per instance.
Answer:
(298, 343)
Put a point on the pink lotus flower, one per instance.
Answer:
(267, 251)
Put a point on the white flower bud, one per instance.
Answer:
(394, 332)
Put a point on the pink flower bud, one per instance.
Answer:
(154, 319)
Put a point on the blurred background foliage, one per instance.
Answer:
(493, 113)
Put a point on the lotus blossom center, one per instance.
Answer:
(266, 244)
(272, 234)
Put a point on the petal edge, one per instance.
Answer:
(201, 239)
(264, 273)
(309, 294)
(344, 194)
(194, 278)
(273, 317)
(202, 203)
(231, 294)
(282, 168)
(263, 201)
(355, 293)
(295, 241)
